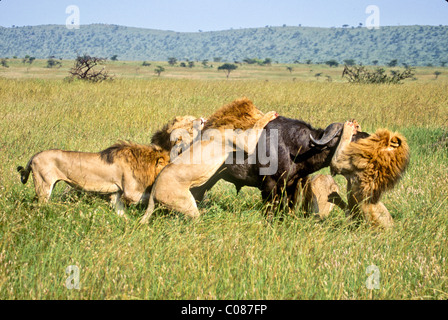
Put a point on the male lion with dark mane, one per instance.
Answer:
(371, 166)
(196, 165)
(125, 170)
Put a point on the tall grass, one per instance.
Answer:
(231, 252)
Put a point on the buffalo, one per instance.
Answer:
(301, 151)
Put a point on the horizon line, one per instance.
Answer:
(230, 29)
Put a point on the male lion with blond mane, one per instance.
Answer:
(371, 166)
(227, 130)
(125, 170)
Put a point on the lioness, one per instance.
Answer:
(318, 195)
(178, 133)
(126, 170)
(172, 186)
(371, 166)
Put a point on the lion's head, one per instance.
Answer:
(381, 160)
(190, 124)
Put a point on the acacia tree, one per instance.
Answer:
(172, 61)
(332, 63)
(267, 61)
(51, 63)
(228, 67)
(392, 63)
(28, 59)
(158, 70)
(84, 69)
(349, 62)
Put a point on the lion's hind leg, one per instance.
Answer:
(177, 198)
(43, 185)
(184, 204)
(182, 200)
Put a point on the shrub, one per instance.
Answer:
(53, 63)
(4, 63)
(360, 74)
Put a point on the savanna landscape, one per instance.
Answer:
(232, 251)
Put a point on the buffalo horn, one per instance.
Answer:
(330, 132)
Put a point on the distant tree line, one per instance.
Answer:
(414, 45)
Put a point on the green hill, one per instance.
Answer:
(414, 45)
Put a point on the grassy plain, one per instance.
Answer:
(231, 252)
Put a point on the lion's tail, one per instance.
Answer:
(25, 172)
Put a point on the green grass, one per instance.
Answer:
(231, 252)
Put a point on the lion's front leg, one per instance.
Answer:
(339, 162)
(248, 140)
(268, 117)
(377, 215)
(117, 204)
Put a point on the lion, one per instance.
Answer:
(227, 130)
(125, 170)
(371, 166)
(178, 133)
(318, 195)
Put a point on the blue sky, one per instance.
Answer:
(208, 15)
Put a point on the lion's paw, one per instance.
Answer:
(271, 115)
(357, 126)
(349, 128)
